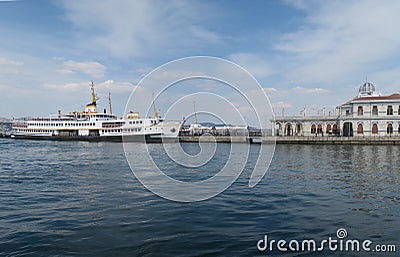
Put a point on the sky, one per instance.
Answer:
(304, 54)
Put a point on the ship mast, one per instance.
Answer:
(195, 115)
(109, 101)
(155, 109)
(93, 94)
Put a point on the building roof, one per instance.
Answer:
(377, 98)
(391, 97)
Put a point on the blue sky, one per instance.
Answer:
(310, 54)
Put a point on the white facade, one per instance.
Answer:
(369, 114)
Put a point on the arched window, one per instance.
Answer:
(288, 130)
(313, 129)
(360, 129)
(375, 110)
(328, 128)
(389, 110)
(389, 129)
(334, 130)
(319, 129)
(299, 128)
(375, 129)
(360, 111)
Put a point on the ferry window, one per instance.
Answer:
(347, 113)
(140, 122)
(398, 112)
(389, 110)
(375, 110)
(360, 111)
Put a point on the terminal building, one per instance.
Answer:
(368, 114)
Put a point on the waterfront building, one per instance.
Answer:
(368, 114)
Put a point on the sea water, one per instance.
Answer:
(80, 198)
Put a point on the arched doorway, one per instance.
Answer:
(334, 129)
(360, 129)
(389, 129)
(348, 129)
(313, 129)
(319, 129)
(375, 129)
(328, 129)
(288, 130)
(279, 129)
(299, 129)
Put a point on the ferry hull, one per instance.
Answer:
(119, 138)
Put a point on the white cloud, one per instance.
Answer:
(340, 40)
(138, 28)
(116, 87)
(95, 69)
(101, 88)
(205, 35)
(299, 4)
(253, 63)
(65, 71)
(69, 87)
(282, 104)
(317, 90)
(144, 71)
(270, 90)
(8, 66)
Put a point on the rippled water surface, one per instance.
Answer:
(79, 198)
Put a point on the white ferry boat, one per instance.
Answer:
(89, 125)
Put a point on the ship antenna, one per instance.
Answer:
(195, 115)
(155, 109)
(93, 94)
(109, 101)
